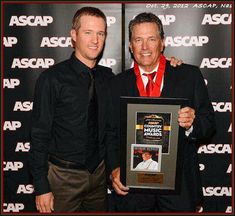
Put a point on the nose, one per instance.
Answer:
(144, 44)
(95, 38)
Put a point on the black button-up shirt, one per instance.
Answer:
(60, 118)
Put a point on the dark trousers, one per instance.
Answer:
(136, 202)
(141, 202)
(78, 190)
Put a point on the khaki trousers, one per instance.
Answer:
(78, 190)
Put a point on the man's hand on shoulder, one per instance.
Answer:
(174, 61)
(45, 203)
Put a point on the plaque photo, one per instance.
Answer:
(146, 158)
(151, 151)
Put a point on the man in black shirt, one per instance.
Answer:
(67, 150)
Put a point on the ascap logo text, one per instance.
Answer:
(56, 42)
(12, 165)
(10, 83)
(107, 62)
(222, 106)
(167, 19)
(216, 63)
(110, 20)
(216, 19)
(215, 148)
(186, 41)
(32, 63)
(9, 41)
(22, 147)
(23, 106)
(13, 207)
(25, 189)
(30, 20)
(217, 191)
(11, 125)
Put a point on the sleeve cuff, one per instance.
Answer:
(41, 186)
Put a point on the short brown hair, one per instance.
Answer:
(91, 11)
(147, 151)
(146, 18)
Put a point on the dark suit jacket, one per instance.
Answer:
(185, 81)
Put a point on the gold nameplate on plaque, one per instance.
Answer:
(150, 178)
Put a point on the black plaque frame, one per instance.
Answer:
(167, 180)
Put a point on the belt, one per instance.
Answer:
(66, 164)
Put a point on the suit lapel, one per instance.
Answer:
(169, 80)
(131, 88)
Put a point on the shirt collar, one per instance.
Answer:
(78, 65)
(154, 70)
(149, 160)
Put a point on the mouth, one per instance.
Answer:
(93, 47)
(146, 54)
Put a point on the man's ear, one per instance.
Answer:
(163, 45)
(73, 37)
(130, 47)
(73, 34)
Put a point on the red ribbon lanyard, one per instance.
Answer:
(157, 87)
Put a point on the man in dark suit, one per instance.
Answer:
(146, 42)
(67, 148)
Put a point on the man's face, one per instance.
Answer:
(146, 156)
(89, 39)
(146, 45)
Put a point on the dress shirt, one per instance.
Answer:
(60, 125)
(149, 164)
(145, 78)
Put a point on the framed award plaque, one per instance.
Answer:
(151, 146)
